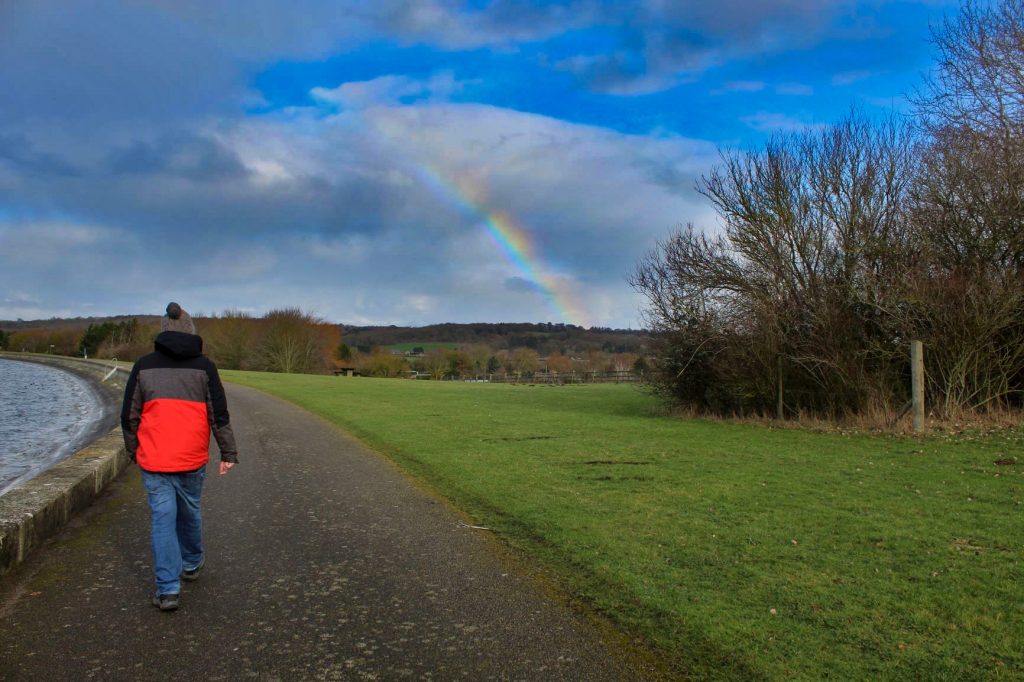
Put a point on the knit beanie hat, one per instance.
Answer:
(177, 320)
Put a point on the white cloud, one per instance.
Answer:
(850, 77)
(418, 306)
(372, 216)
(241, 263)
(203, 54)
(389, 90)
(367, 206)
(777, 122)
(662, 44)
(798, 89)
(894, 103)
(61, 268)
(342, 250)
(625, 74)
(52, 242)
(14, 298)
(744, 86)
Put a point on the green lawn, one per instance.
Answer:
(740, 551)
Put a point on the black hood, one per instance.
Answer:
(179, 345)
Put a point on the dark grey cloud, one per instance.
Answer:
(362, 216)
(622, 72)
(129, 169)
(173, 182)
(95, 63)
(103, 62)
(660, 44)
(519, 284)
(87, 63)
(183, 154)
(18, 152)
(678, 175)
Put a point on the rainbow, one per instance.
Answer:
(513, 242)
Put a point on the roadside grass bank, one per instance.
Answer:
(740, 551)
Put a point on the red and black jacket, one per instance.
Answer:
(173, 399)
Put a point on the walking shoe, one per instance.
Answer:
(193, 573)
(165, 602)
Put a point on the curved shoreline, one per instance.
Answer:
(102, 417)
(39, 507)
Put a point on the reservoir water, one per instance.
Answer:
(46, 415)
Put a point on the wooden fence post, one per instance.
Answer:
(780, 411)
(917, 381)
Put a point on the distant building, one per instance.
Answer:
(343, 368)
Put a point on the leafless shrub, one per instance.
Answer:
(231, 339)
(841, 246)
(967, 211)
(293, 341)
(284, 340)
(788, 292)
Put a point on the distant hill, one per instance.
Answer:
(545, 338)
(59, 323)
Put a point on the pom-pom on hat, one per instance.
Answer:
(177, 320)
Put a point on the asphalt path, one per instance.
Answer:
(323, 562)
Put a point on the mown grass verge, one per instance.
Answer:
(740, 551)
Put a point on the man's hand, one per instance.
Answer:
(224, 466)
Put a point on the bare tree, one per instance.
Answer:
(559, 364)
(436, 362)
(478, 354)
(967, 208)
(842, 245)
(969, 201)
(231, 339)
(525, 361)
(291, 342)
(812, 224)
(978, 80)
(380, 362)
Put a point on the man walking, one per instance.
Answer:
(174, 398)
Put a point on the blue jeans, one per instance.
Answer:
(176, 524)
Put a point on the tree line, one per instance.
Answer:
(283, 340)
(58, 340)
(292, 341)
(841, 245)
(545, 338)
(480, 361)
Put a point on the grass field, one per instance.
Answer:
(738, 551)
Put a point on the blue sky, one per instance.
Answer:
(394, 162)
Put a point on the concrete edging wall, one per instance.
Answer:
(39, 508)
